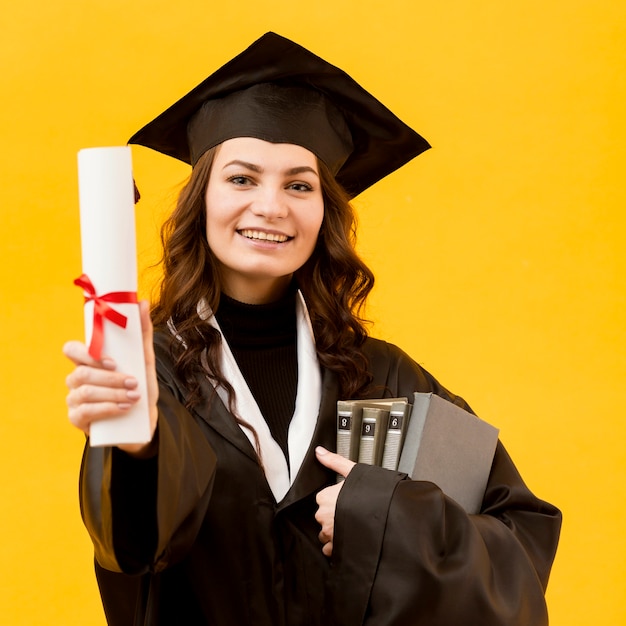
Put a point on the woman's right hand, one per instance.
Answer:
(97, 391)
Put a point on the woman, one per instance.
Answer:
(232, 513)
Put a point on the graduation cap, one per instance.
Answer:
(278, 91)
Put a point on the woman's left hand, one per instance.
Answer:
(327, 498)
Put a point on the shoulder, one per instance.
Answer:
(386, 359)
(398, 374)
(379, 349)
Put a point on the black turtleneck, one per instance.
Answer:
(262, 338)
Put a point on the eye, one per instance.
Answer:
(240, 180)
(300, 187)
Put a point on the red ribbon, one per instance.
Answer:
(102, 310)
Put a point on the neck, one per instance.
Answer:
(255, 291)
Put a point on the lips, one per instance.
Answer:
(260, 235)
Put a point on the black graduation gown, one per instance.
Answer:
(195, 537)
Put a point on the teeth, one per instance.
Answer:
(257, 234)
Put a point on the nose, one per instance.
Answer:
(270, 203)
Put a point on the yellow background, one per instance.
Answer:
(499, 254)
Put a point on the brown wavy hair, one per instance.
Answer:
(334, 281)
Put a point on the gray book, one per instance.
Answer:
(449, 447)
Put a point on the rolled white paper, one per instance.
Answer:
(109, 255)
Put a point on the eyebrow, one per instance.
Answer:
(256, 168)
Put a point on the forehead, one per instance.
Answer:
(264, 153)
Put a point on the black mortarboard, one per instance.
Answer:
(278, 91)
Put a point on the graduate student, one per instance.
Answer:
(232, 514)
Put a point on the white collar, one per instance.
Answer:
(308, 397)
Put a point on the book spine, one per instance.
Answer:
(412, 440)
(344, 429)
(396, 429)
(373, 434)
(368, 433)
(349, 416)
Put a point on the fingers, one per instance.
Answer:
(333, 461)
(83, 416)
(96, 390)
(327, 498)
(147, 332)
(91, 385)
(85, 374)
(326, 539)
(150, 360)
(78, 353)
(96, 394)
(326, 519)
(325, 515)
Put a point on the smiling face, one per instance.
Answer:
(264, 210)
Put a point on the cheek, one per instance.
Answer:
(214, 230)
(316, 220)
(208, 225)
(217, 214)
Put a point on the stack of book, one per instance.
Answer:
(429, 439)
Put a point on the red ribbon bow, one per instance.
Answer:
(102, 310)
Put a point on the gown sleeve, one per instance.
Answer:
(406, 554)
(132, 530)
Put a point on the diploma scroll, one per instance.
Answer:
(109, 259)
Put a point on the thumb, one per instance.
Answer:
(333, 461)
(147, 332)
